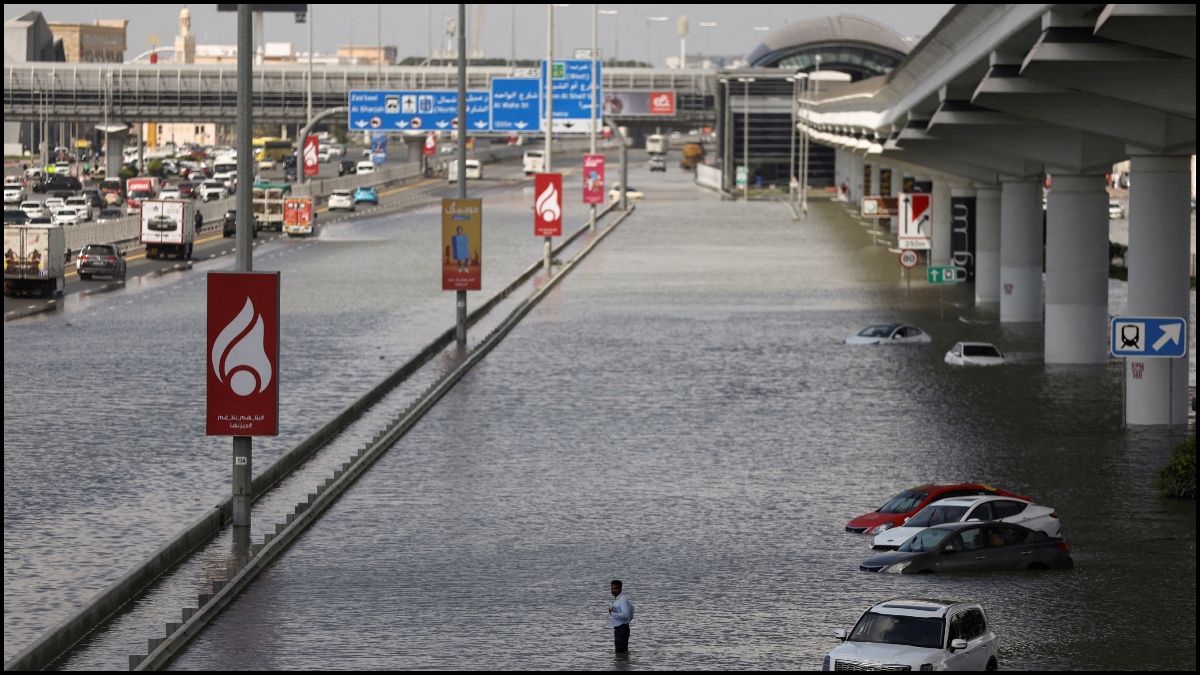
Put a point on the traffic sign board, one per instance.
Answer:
(942, 275)
(1148, 337)
(516, 104)
(908, 259)
(916, 221)
(573, 94)
(879, 207)
(413, 110)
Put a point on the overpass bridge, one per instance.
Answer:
(86, 92)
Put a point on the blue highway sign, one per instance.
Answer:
(417, 110)
(573, 94)
(516, 104)
(1148, 337)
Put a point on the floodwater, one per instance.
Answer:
(680, 414)
(105, 455)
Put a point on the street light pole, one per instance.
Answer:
(649, 20)
(595, 86)
(793, 180)
(460, 331)
(546, 161)
(616, 34)
(243, 484)
(746, 134)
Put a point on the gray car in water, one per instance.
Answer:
(973, 546)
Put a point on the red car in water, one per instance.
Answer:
(905, 505)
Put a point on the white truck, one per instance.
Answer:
(34, 260)
(656, 144)
(532, 162)
(267, 205)
(168, 228)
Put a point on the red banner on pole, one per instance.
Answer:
(243, 354)
(311, 168)
(593, 179)
(547, 205)
(430, 146)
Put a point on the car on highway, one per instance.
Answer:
(170, 192)
(341, 199)
(366, 193)
(54, 205)
(965, 509)
(14, 194)
(974, 354)
(474, 170)
(34, 209)
(82, 205)
(65, 216)
(323, 155)
(107, 215)
(133, 203)
(905, 505)
(40, 220)
(229, 225)
(657, 163)
(630, 193)
(266, 164)
(1115, 210)
(95, 199)
(15, 217)
(917, 635)
(889, 334)
(532, 162)
(974, 547)
(103, 260)
(365, 166)
(187, 189)
(52, 182)
(347, 166)
(213, 189)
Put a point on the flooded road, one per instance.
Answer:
(681, 414)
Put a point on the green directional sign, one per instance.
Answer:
(942, 275)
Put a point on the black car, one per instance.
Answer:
(103, 259)
(109, 214)
(14, 217)
(289, 172)
(973, 546)
(229, 225)
(347, 166)
(55, 182)
(95, 199)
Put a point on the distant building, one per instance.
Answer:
(100, 42)
(367, 55)
(174, 134)
(28, 38)
(210, 54)
(185, 42)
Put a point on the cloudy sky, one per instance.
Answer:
(407, 26)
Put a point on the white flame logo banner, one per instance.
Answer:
(547, 204)
(310, 154)
(661, 101)
(243, 363)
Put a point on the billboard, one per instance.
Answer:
(243, 354)
(639, 103)
(378, 147)
(593, 179)
(311, 168)
(547, 204)
(462, 244)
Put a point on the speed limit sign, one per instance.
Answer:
(908, 259)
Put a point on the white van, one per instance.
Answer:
(474, 170)
(365, 166)
(656, 144)
(534, 162)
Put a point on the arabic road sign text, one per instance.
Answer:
(416, 110)
(573, 94)
(516, 104)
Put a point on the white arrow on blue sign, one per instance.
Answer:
(417, 110)
(573, 94)
(516, 102)
(1148, 337)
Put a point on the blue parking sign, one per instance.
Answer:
(1148, 337)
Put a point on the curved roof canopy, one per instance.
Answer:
(849, 44)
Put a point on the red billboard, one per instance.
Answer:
(593, 179)
(462, 238)
(547, 204)
(243, 354)
(430, 145)
(662, 103)
(311, 168)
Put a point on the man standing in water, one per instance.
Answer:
(620, 610)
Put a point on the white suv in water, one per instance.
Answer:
(911, 634)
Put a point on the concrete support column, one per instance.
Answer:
(1156, 390)
(987, 244)
(892, 191)
(856, 180)
(1020, 251)
(1077, 270)
(874, 179)
(940, 254)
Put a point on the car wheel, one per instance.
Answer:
(992, 664)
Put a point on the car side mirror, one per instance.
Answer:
(949, 549)
(840, 634)
(958, 644)
(908, 519)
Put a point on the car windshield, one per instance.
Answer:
(66, 212)
(142, 194)
(97, 250)
(936, 514)
(981, 350)
(341, 193)
(904, 502)
(110, 213)
(914, 631)
(926, 540)
(214, 185)
(878, 330)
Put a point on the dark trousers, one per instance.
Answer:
(621, 638)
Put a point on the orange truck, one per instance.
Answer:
(693, 154)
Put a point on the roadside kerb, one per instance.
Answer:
(210, 605)
(59, 639)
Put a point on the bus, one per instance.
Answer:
(274, 149)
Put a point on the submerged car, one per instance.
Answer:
(915, 634)
(975, 354)
(366, 193)
(903, 506)
(974, 547)
(966, 509)
(889, 334)
(631, 193)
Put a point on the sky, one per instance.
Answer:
(628, 33)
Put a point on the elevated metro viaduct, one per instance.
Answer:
(996, 98)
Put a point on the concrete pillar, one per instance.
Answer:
(874, 179)
(1156, 390)
(892, 190)
(987, 244)
(1020, 251)
(940, 254)
(1077, 270)
(856, 179)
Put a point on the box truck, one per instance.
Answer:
(168, 228)
(298, 216)
(34, 260)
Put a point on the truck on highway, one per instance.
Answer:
(139, 189)
(113, 190)
(693, 154)
(168, 228)
(267, 205)
(298, 216)
(656, 144)
(34, 260)
(532, 162)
